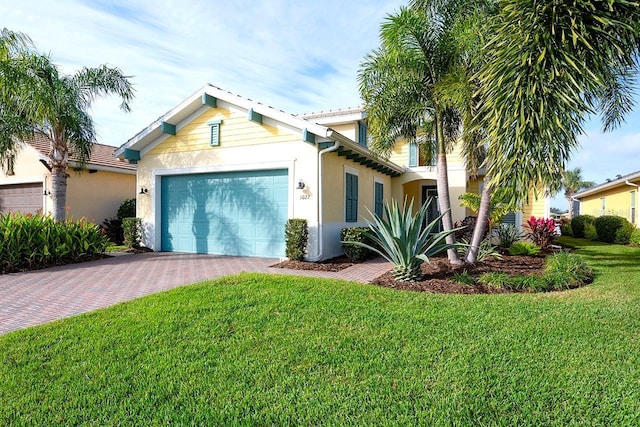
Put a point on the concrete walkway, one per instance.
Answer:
(41, 296)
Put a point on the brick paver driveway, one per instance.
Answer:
(36, 297)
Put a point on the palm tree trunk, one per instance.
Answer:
(59, 192)
(570, 211)
(481, 222)
(442, 184)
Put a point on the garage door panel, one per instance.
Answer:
(233, 213)
(25, 198)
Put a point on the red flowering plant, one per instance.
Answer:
(541, 231)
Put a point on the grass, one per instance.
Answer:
(255, 349)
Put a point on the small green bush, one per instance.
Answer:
(566, 230)
(496, 280)
(354, 252)
(36, 241)
(524, 248)
(607, 226)
(565, 270)
(508, 234)
(464, 278)
(485, 251)
(578, 222)
(132, 228)
(296, 238)
(634, 239)
(590, 232)
(623, 235)
(127, 209)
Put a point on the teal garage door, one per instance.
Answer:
(230, 213)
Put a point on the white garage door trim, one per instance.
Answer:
(154, 229)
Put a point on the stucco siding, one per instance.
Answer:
(617, 202)
(96, 196)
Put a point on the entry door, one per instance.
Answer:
(430, 194)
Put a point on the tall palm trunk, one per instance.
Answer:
(442, 184)
(59, 156)
(570, 200)
(481, 222)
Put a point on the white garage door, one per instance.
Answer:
(25, 198)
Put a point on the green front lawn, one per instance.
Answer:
(261, 350)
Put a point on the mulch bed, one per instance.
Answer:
(437, 275)
(334, 264)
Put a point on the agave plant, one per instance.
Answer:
(402, 239)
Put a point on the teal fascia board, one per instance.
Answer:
(168, 128)
(209, 100)
(131, 154)
(325, 145)
(254, 117)
(308, 136)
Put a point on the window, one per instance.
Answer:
(362, 134)
(378, 197)
(351, 198)
(602, 206)
(632, 211)
(214, 132)
(413, 154)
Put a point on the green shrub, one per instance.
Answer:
(296, 236)
(607, 226)
(524, 248)
(566, 230)
(464, 278)
(578, 222)
(485, 251)
(623, 234)
(634, 239)
(356, 253)
(127, 209)
(132, 228)
(37, 241)
(565, 270)
(508, 234)
(590, 232)
(496, 280)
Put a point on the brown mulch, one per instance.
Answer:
(437, 275)
(333, 265)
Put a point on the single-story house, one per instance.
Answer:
(221, 174)
(617, 196)
(94, 193)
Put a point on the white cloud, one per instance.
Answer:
(294, 55)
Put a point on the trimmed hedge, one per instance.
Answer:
(30, 242)
(356, 234)
(296, 238)
(578, 222)
(607, 226)
(132, 228)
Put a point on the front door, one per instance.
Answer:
(430, 194)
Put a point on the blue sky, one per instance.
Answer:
(295, 55)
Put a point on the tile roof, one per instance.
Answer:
(101, 155)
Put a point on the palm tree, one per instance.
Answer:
(572, 182)
(549, 65)
(42, 100)
(406, 85)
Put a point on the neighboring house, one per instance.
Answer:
(221, 174)
(94, 193)
(615, 197)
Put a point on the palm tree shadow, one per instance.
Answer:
(223, 214)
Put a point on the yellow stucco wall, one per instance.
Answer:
(349, 130)
(400, 155)
(96, 196)
(333, 173)
(617, 202)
